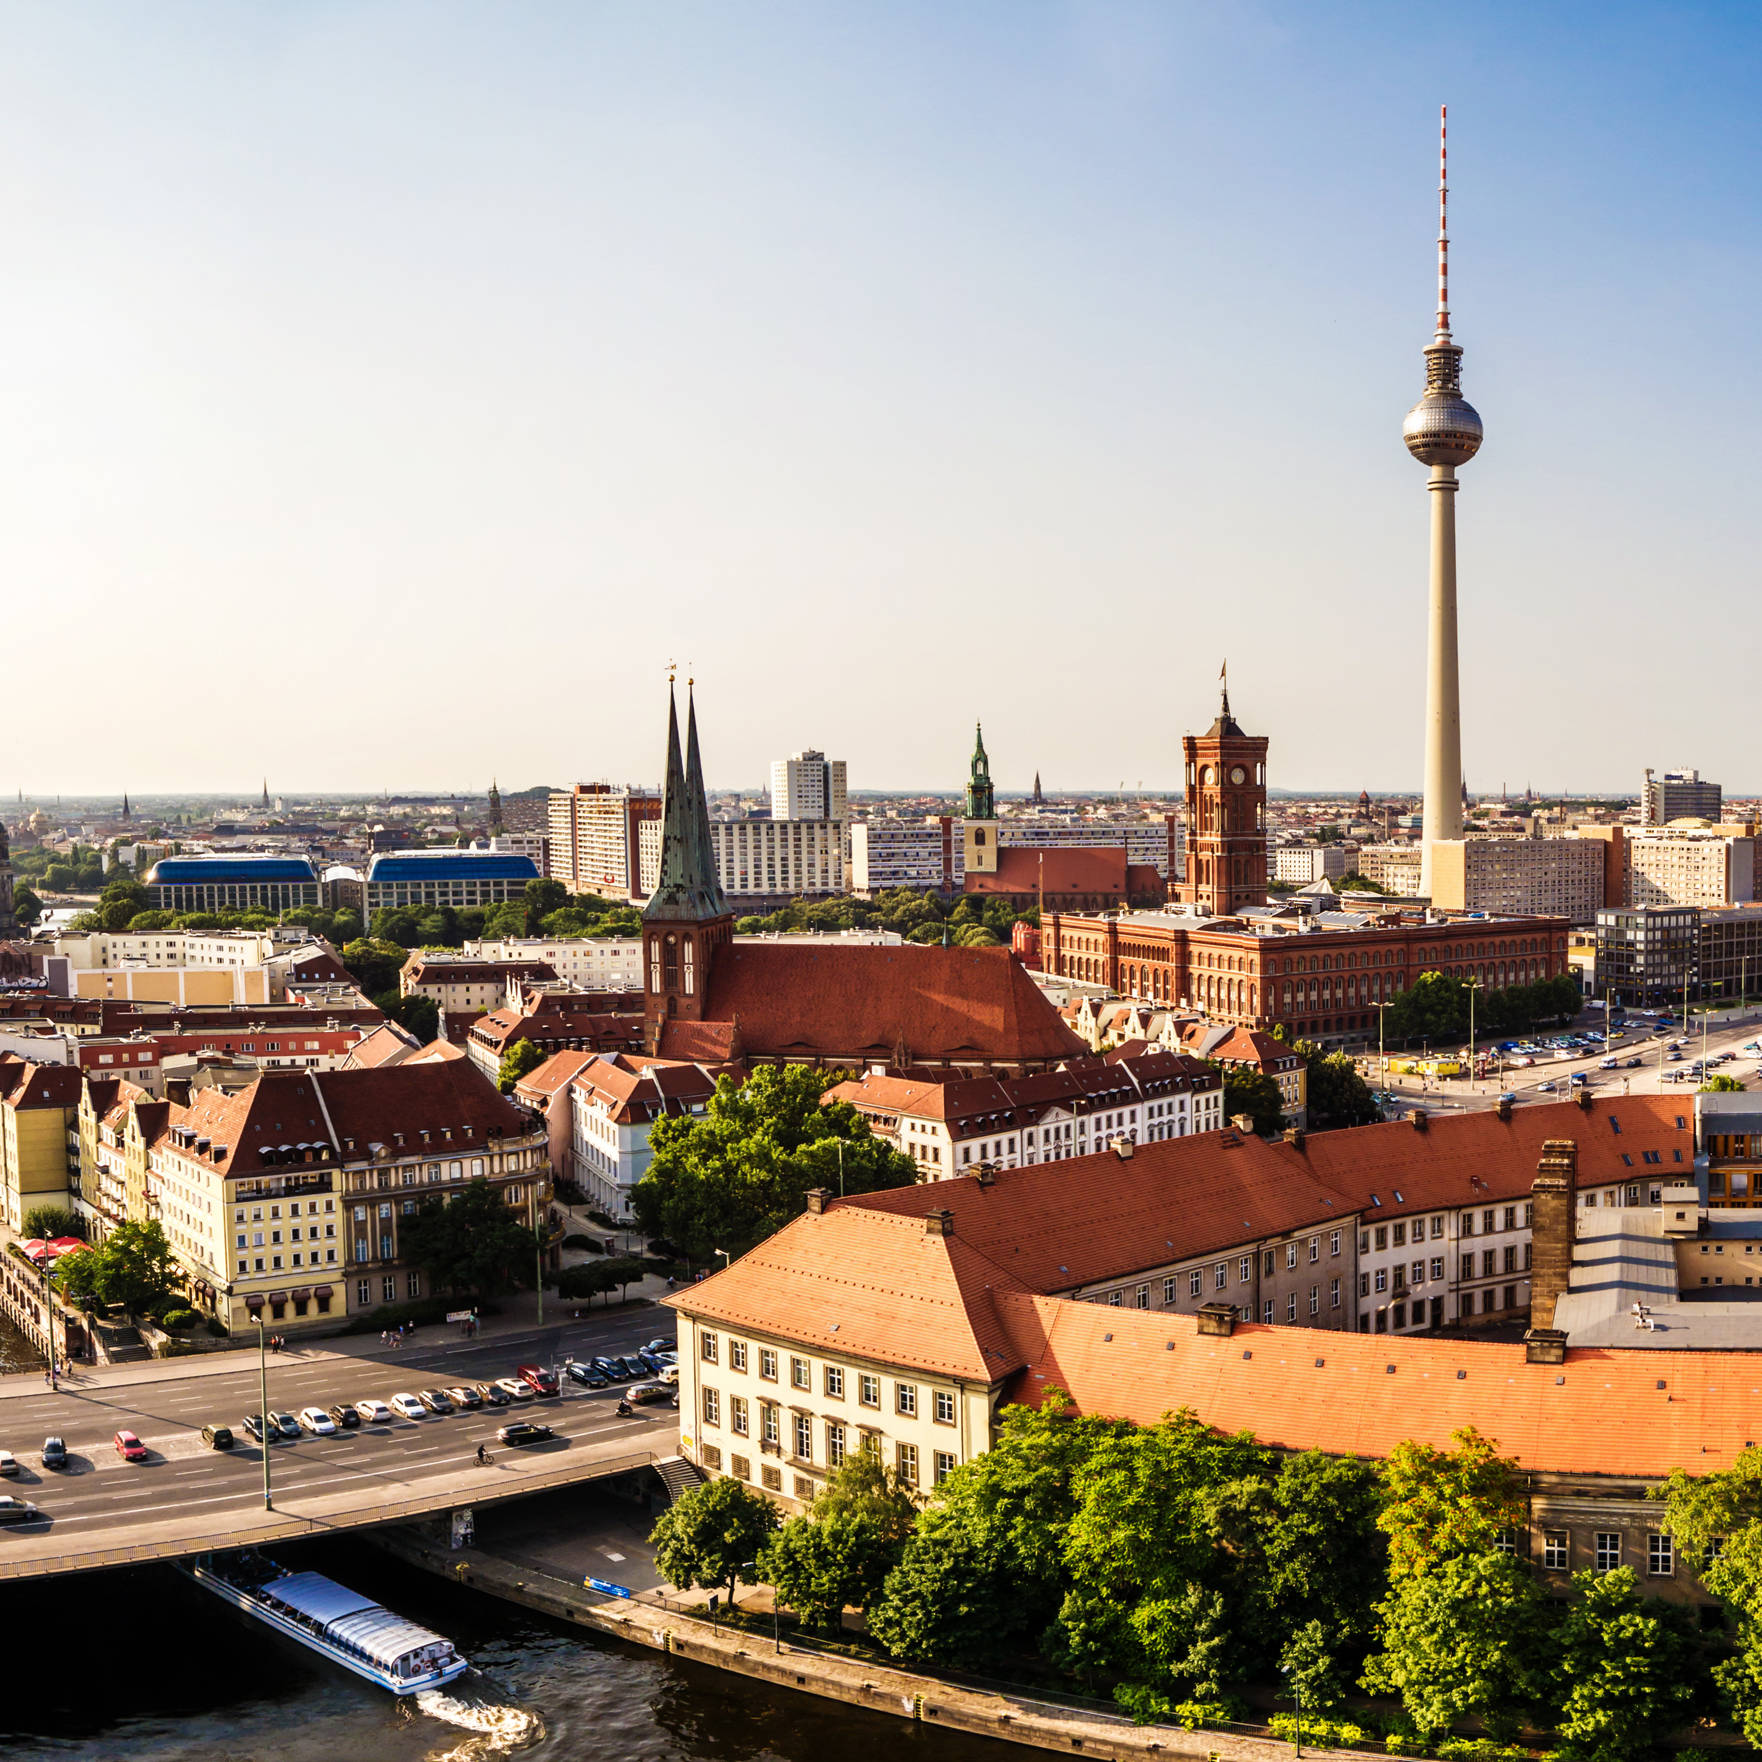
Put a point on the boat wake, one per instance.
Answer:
(495, 1729)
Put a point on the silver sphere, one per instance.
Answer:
(1442, 429)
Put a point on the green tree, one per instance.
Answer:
(710, 1533)
(132, 1268)
(472, 1242)
(27, 906)
(1462, 1638)
(544, 896)
(1337, 1094)
(419, 1014)
(374, 964)
(1254, 1093)
(731, 1176)
(839, 1554)
(521, 1057)
(1720, 1084)
(505, 920)
(1623, 1669)
(1442, 1503)
(50, 1221)
(123, 899)
(152, 920)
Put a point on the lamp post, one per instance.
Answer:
(727, 1258)
(538, 1261)
(1297, 1702)
(254, 1304)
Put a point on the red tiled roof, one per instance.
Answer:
(388, 1044)
(1068, 869)
(555, 1074)
(1601, 1412)
(872, 1285)
(972, 1004)
(27, 1085)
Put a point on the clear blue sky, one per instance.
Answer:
(387, 391)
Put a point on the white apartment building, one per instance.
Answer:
(165, 948)
(1520, 877)
(923, 854)
(1395, 868)
(1302, 865)
(764, 857)
(594, 843)
(949, 1128)
(1155, 843)
(585, 963)
(1690, 865)
(807, 786)
(614, 1101)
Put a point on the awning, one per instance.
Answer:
(321, 1290)
(303, 1294)
(278, 1297)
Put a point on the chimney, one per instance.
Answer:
(1244, 1123)
(985, 1173)
(1217, 1318)
(1504, 1107)
(1417, 1118)
(1584, 1099)
(1544, 1346)
(1294, 1137)
(939, 1223)
(1123, 1148)
(1554, 1197)
(817, 1197)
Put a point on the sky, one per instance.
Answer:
(390, 391)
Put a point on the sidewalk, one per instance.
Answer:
(519, 1316)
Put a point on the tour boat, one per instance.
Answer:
(330, 1619)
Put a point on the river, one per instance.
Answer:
(142, 1665)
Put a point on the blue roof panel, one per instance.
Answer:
(451, 865)
(175, 871)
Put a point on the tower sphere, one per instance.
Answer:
(1443, 428)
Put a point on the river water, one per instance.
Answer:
(144, 1666)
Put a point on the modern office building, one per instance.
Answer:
(1679, 795)
(595, 839)
(457, 878)
(233, 882)
(807, 786)
(1648, 954)
(1301, 865)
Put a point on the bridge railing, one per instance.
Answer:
(278, 1525)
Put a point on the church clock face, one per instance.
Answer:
(1207, 775)
(1238, 775)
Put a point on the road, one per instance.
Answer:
(1526, 1083)
(187, 1490)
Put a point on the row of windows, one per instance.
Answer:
(833, 1379)
(836, 1442)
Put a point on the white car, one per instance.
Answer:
(8, 1463)
(408, 1406)
(668, 1373)
(316, 1421)
(375, 1413)
(514, 1388)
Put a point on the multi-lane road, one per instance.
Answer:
(186, 1494)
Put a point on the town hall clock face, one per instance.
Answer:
(1238, 775)
(1207, 774)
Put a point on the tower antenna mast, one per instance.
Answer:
(1443, 224)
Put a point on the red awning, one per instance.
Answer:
(278, 1297)
(321, 1290)
(303, 1294)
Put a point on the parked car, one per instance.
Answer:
(435, 1400)
(663, 1343)
(520, 1431)
(464, 1396)
(539, 1380)
(344, 1415)
(217, 1437)
(54, 1452)
(8, 1463)
(1547, 1088)
(318, 1422)
(375, 1413)
(286, 1424)
(252, 1426)
(16, 1510)
(578, 1372)
(612, 1369)
(129, 1447)
(408, 1406)
(644, 1393)
(513, 1389)
(494, 1394)
(650, 1361)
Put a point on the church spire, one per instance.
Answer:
(495, 806)
(686, 889)
(980, 797)
(125, 804)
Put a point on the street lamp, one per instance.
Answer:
(1297, 1701)
(254, 1304)
(727, 1258)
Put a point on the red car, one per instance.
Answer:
(539, 1380)
(130, 1448)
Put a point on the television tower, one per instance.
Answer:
(1442, 431)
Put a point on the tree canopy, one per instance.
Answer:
(520, 1058)
(132, 1269)
(1254, 1093)
(474, 1242)
(731, 1176)
(1436, 1008)
(710, 1533)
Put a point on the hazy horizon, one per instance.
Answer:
(396, 388)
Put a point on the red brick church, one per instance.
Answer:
(709, 999)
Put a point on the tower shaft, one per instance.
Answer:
(1443, 768)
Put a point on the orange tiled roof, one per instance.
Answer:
(1601, 1412)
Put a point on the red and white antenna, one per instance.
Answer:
(1443, 225)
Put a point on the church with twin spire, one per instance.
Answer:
(711, 998)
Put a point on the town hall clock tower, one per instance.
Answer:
(1226, 816)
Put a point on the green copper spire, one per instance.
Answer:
(980, 804)
(687, 889)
